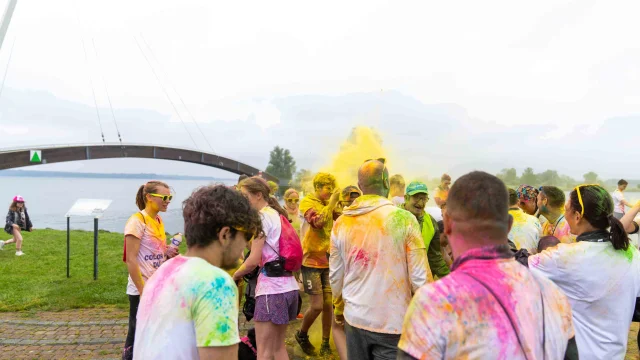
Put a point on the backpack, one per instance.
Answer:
(289, 246)
(289, 252)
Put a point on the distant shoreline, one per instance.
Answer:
(65, 174)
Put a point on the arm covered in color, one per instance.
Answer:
(336, 264)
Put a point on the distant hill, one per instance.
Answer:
(65, 174)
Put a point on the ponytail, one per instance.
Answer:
(140, 198)
(273, 203)
(619, 237)
(148, 188)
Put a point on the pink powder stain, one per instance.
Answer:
(361, 256)
(163, 274)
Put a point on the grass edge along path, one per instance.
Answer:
(38, 280)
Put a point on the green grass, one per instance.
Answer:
(38, 280)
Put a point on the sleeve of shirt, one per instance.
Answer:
(336, 262)
(418, 266)
(434, 254)
(317, 218)
(215, 312)
(545, 264)
(134, 227)
(9, 220)
(421, 323)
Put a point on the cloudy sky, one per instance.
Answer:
(548, 84)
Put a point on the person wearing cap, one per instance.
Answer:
(17, 221)
(349, 195)
(416, 197)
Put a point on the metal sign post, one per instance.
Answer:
(87, 207)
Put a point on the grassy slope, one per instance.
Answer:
(38, 279)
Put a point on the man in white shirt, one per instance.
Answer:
(396, 192)
(378, 260)
(619, 201)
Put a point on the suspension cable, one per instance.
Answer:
(165, 93)
(153, 56)
(6, 69)
(106, 90)
(86, 60)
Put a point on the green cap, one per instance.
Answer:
(417, 187)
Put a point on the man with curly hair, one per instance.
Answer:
(189, 309)
(319, 211)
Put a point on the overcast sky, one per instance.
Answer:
(569, 65)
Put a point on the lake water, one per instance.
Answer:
(49, 199)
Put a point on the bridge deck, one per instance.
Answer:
(13, 158)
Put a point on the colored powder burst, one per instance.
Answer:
(363, 143)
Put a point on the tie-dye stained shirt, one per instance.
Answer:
(526, 230)
(318, 221)
(458, 317)
(153, 245)
(602, 285)
(560, 229)
(378, 260)
(188, 303)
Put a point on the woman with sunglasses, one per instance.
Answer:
(17, 221)
(292, 205)
(145, 247)
(276, 293)
(599, 273)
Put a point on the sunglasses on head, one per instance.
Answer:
(164, 197)
(577, 189)
(294, 201)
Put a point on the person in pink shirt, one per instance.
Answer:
(489, 306)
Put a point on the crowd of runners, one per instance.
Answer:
(494, 273)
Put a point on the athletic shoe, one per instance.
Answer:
(1, 244)
(325, 349)
(19, 253)
(305, 344)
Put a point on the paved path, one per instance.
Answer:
(100, 333)
(97, 333)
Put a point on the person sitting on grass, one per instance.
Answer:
(17, 221)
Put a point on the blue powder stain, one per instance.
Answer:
(218, 283)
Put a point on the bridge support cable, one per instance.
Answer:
(106, 90)
(155, 58)
(6, 69)
(166, 93)
(86, 60)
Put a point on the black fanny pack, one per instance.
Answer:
(275, 268)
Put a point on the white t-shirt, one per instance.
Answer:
(153, 245)
(272, 285)
(618, 197)
(397, 200)
(187, 304)
(525, 232)
(435, 212)
(602, 285)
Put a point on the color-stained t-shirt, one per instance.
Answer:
(602, 285)
(441, 193)
(272, 227)
(460, 316)
(560, 229)
(525, 231)
(153, 245)
(187, 304)
(378, 260)
(317, 231)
